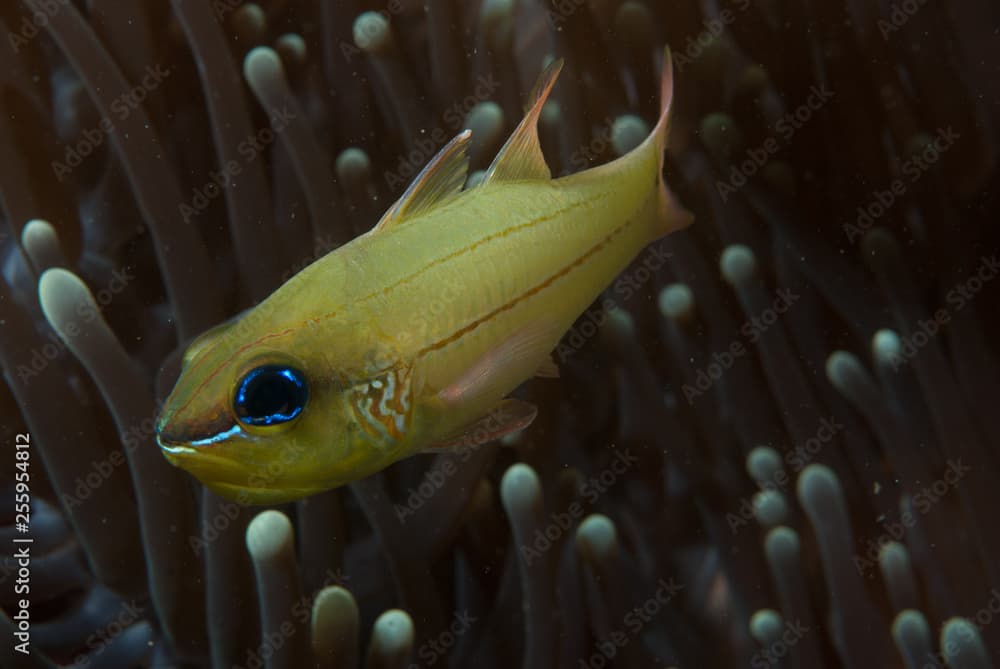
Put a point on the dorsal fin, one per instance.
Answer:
(521, 157)
(437, 183)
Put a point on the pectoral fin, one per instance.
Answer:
(509, 416)
(526, 346)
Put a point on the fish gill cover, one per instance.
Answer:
(773, 441)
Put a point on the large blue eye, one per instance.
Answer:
(270, 395)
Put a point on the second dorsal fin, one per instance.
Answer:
(521, 157)
(437, 183)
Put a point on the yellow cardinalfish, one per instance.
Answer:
(410, 337)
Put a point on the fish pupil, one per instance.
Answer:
(270, 395)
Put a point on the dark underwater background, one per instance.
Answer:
(774, 439)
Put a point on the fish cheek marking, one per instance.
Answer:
(382, 406)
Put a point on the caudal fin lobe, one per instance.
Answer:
(673, 215)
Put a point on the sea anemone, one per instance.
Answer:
(770, 442)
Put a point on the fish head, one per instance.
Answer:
(271, 414)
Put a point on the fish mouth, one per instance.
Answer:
(193, 454)
(193, 459)
(172, 440)
(171, 444)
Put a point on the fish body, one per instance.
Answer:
(409, 337)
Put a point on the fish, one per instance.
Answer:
(411, 337)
